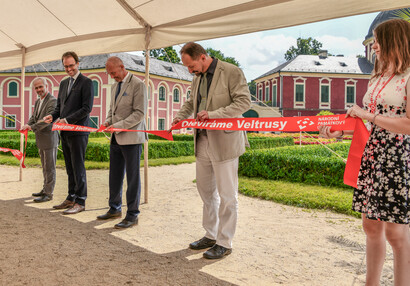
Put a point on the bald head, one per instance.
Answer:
(115, 68)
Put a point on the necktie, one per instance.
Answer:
(118, 90)
(70, 85)
(203, 92)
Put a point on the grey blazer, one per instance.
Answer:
(228, 97)
(45, 138)
(128, 111)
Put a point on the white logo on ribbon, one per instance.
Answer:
(303, 123)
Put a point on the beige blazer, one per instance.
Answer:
(228, 97)
(128, 111)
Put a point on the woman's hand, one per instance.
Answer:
(356, 111)
(324, 132)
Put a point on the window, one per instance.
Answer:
(94, 122)
(274, 96)
(188, 94)
(260, 94)
(96, 86)
(13, 88)
(267, 93)
(161, 124)
(161, 93)
(350, 94)
(11, 121)
(299, 92)
(324, 94)
(176, 95)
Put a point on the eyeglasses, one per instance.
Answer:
(70, 66)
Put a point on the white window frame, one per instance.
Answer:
(297, 81)
(159, 120)
(12, 122)
(274, 89)
(325, 105)
(266, 92)
(165, 93)
(350, 83)
(8, 89)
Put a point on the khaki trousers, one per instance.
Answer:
(217, 184)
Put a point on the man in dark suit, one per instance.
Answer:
(46, 139)
(74, 104)
(127, 111)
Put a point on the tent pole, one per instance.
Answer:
(146, 120)
(23, 78)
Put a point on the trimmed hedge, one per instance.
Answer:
(309, 164)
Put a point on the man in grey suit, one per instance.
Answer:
(127, 111)
(219, 90)
(46, 139)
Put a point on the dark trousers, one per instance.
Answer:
(125, 158)
(74, 155)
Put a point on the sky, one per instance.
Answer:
(260, 52)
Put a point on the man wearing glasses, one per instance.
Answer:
(74, 104)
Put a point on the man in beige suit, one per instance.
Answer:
(46, 139)
(127, 111)
(219, 90)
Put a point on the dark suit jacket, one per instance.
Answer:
(76, 106)
(45, 138)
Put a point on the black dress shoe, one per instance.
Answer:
(39, 194)
(43, 198)
(217, 252)
(202, 243)
(126, 224)
(109, 215)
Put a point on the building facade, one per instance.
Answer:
(169, 88)
(308, 84)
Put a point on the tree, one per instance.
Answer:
(307, 46)
(219, 55)
(252, 87)
(166, 54)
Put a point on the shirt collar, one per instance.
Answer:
(125, 79)
(76, 76)
(212, 66)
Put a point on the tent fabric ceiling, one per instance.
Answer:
(48, 28)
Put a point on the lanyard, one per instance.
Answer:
(373, 102)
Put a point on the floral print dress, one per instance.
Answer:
(383, 184)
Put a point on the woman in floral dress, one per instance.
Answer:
(382, 194)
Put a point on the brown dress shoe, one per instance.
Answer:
(64, 205)
(74, 209)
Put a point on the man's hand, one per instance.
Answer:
(62, 120)
(175, 121)
(202, 116)
(26, 126)
(108, 126)
(48, 119)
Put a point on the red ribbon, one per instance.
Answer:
(71, 127)
(272, 124)
(17, 153)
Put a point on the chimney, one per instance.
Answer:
(322, 54)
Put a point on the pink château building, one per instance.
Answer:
(169, 88)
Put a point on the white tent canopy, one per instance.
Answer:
(45, 29)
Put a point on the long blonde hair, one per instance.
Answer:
(393, 37)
